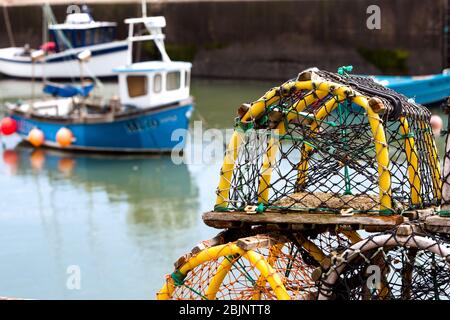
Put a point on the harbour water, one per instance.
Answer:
(122, 221)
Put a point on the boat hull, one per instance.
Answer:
(423, 89)
(149, 131)
(65, 64)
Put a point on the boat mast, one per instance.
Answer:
(144, 8)
(51, 20)
(12, 42)
(45, 19)
(154, 27)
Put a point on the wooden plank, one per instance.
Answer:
(437, 224)
(259, 241)
(420, 214)
(217, 240)
(182, 260)
(438, 221)
(236, 219)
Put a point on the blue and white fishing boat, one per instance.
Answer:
(423, 89)
(153, 102)
(78, 33)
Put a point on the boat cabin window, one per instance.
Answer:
(157, 83)
(137, 86)
(82, 37)
(173, 80)
(187, 79)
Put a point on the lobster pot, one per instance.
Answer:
(330, 142)
(325, 179)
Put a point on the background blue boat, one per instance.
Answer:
(150, 113)
(149, 131)
(423, 89)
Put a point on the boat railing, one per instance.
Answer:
(154, 26)
(147, 37)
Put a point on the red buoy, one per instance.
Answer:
(48, 46)
(8, 126)
(10, 157)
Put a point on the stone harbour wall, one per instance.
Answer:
(277, 39)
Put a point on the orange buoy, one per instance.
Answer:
(8, 126)
(64, 137)
(37, 160)
(36, 137)
(66, 165)
(436, 124)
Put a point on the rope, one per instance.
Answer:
(178, 280)
(8, 26)
(243, 270)
(291, 261)
(342, 119)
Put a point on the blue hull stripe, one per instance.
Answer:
(71, 56)
(148, 131)
(426, 90)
